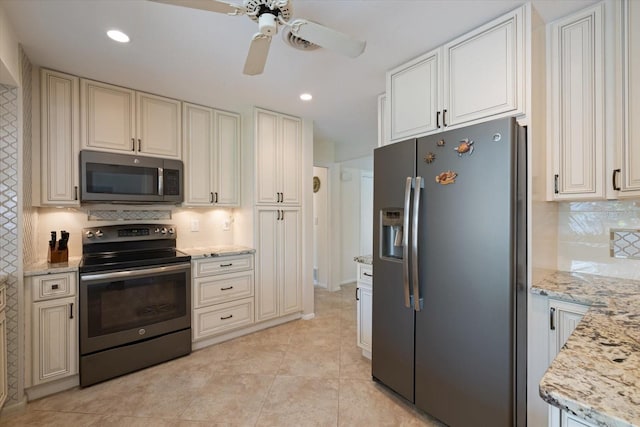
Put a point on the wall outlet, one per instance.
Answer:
(226, 225)
(195, 225)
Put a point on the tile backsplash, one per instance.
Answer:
(584, 232)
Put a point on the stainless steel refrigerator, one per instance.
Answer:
(449, 286)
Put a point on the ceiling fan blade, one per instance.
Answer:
(328, 38)
(210, 5)
(257, 56)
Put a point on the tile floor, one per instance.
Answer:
(303, 373)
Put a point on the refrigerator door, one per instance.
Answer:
(393, 317)
(466, 238)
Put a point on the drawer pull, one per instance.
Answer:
(226, 289)
(552, 319)
(226, 265)
(70, 310)
(367, 274)
(54, 287)
(226, 317)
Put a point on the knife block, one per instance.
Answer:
(58, 255)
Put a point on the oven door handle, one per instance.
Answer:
(132, 273)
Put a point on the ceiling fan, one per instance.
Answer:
(270, 14)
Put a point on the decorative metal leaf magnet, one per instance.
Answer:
(465, 146)
(440, 143)
(430, 157)
(448, 177)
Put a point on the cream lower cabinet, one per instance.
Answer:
(54, 327)
(563, 319)
(118, 119)
(476, 77)
(223, 295)
(60, 145)
(211, 153)
(364, 297)
(279, 263)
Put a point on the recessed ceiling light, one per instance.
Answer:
(118, 36)
(306, 97)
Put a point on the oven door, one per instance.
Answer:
(122, 307)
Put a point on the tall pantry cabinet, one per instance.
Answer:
(278, 214)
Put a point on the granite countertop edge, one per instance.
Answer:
(217, 251)
(43, 267)
(596, 375)
(364, 259)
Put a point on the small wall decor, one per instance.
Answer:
(316, 184)
(465, 146)
(441, 143)
(445, 178)
(430, 157)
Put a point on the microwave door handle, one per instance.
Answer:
(160, 181)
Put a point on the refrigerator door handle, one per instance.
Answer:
(417, 303)
(405, 241)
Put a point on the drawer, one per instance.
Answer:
(365, 273)
(223, 288)
(208, 267)
(53, 286)
(3, 297)
(220, 318)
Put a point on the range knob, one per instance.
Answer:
(163, 231)
(157, 230)
(89, 234)
(99, 233)
(172, 231)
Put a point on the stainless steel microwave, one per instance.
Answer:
(124, 178)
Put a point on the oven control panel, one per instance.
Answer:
(123, 233)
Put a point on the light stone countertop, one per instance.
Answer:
(364, 259)
(43, 267)
(217, 251)
(596, 375)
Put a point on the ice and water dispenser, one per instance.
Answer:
(391, 233)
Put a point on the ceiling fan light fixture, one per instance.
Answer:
(306, 97)
(267, 24)
(118, 36)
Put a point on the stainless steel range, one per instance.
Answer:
(135, 300)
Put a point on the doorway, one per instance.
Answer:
(320, 227)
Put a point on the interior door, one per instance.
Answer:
(392, 340)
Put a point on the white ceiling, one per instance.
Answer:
(198, 56)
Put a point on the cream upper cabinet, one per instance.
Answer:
(476, 77)
(211, 153)
(59, 129)
(576, 100)
(278, 262)
(278, 158)
(118, 119)
(626, 174)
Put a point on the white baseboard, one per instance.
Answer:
(308, 316)
(14, 407)
(38, 391)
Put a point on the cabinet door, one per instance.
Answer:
(107, 117)
(576, 110)
(290, 156)
(55, 339)
(290, 268)
(226, 171)
(59, 139)
(483, 71)
(569, 420)
(266, 137)
(198, 155)
(364, 309)
(158, 126)
(563, 317)
(629, 145)
(413, 97)
(4, 389)
(266, 291)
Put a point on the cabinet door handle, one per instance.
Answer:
(139, 144)
(216, 196)
(438, 119)
(367, 274)
(75, 190)
(133, 144)
(357, 296)
(613, 179)
(54, 287)
(70, 310)
(552, 318)
(211, 199)
(227, 288)
(556, 177)
(444, 117)
(226, 265)
(226, 317)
